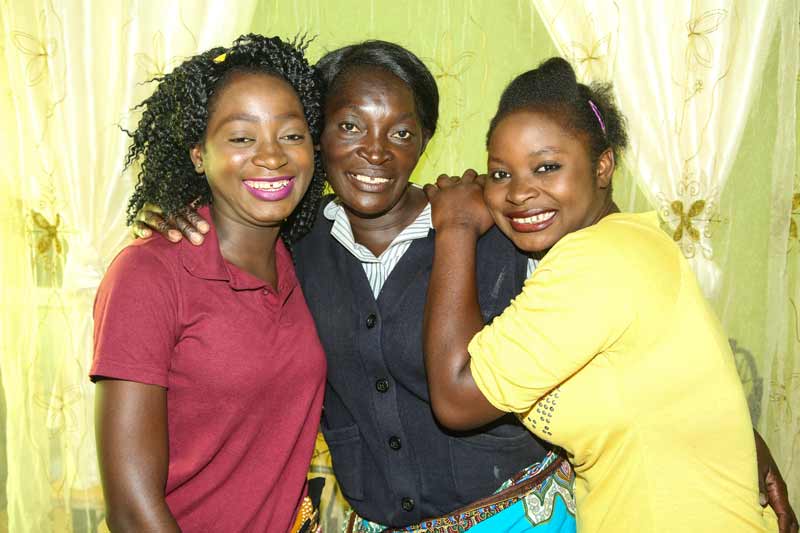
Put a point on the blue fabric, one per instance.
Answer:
(515, 520)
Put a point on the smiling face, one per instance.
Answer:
(257, 155)
(372, 141)
(541, 183)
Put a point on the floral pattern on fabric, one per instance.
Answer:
(539, 505)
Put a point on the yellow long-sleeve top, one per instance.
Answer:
(612, 352)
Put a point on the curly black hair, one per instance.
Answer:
(175, 117)
(335, 66)
(553, 89)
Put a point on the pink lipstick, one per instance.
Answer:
(270, 189)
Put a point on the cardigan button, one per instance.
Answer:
(394, 443)
(407, 504)
(371, 321)
(382, 385)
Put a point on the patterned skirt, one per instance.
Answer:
(540, 499)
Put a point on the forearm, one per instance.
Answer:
(452, 318)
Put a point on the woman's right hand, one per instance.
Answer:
(458, 202)
(187, 224)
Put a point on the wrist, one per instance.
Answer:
(458, 230)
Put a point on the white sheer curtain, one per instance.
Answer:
(684, 73)
(73, 71)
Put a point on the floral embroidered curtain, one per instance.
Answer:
(71, 74)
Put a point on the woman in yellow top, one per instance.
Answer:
(610, 351)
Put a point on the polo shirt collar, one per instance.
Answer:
(206, 262)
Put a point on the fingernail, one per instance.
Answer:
(195, 238)
(146, 233)
(762, 499)
(174, 235)
(203, 226)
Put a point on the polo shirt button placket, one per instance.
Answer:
(269, 299)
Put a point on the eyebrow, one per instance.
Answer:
(542, 151)
(546, 150)
(249, 117)
(404, 116)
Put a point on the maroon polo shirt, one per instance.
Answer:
(244, 373)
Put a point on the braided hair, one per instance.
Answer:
(553, 89)
(175, 117)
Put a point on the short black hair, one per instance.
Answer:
(334, 66)
(553, 89)
(175, 117)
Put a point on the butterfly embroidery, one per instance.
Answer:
(48, 237)
(685, 223)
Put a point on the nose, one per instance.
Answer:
(520, 191)
(270, 155)
(374, 150)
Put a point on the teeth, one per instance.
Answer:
(267, 185)
(369, 179)
(535, 219)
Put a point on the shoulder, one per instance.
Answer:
(616, 233)
(155, 252)
(628, 247)
(146, 265)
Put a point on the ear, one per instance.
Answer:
(196, 155)
(604, 168)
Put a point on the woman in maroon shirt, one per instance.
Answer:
(209, 372)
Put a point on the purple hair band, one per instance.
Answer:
(597, 114)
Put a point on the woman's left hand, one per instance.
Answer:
(458, 202)
(773, 488)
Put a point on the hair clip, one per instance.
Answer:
(220, 58)
(597, 114)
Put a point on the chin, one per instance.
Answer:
(369, 209)
(529, 244)
(271, 217)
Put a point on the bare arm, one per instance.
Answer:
(133, 450)
(452, 312)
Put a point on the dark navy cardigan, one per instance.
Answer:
(394, 463)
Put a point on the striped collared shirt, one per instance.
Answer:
(531, 266)
(377, 269)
